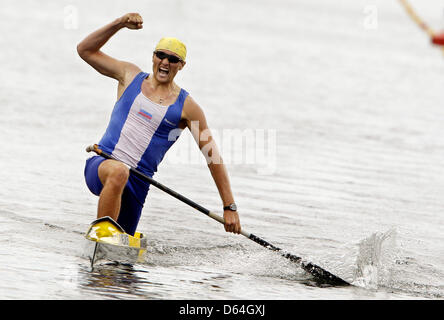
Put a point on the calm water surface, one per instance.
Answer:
(352, 176)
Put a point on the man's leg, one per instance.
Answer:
(114, 176)
(130, 210)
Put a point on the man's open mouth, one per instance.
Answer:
(164, 71)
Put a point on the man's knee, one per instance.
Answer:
(115, 176)
(119, 176)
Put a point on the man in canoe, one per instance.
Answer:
(150, 112)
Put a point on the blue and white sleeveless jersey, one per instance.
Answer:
(140, 131)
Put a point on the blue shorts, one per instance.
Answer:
(133, 197)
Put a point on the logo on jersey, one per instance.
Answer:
(169, 122)
(145, 114)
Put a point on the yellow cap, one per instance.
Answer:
(173, 45)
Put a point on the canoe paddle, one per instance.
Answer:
(320, 275)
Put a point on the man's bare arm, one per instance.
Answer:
(89, 49)
(197, 124)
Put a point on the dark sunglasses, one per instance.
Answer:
(162, 55)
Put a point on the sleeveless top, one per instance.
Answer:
(140, 131)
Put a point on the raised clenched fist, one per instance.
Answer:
(132, 21)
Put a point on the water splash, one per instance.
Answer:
(375, 258)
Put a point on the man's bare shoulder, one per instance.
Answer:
(130, 71)
(191, 109)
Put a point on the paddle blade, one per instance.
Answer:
(322, 276)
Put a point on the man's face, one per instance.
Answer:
(165, 70)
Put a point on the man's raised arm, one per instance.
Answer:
(89, 48)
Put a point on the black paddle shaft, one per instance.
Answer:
(321, 275)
